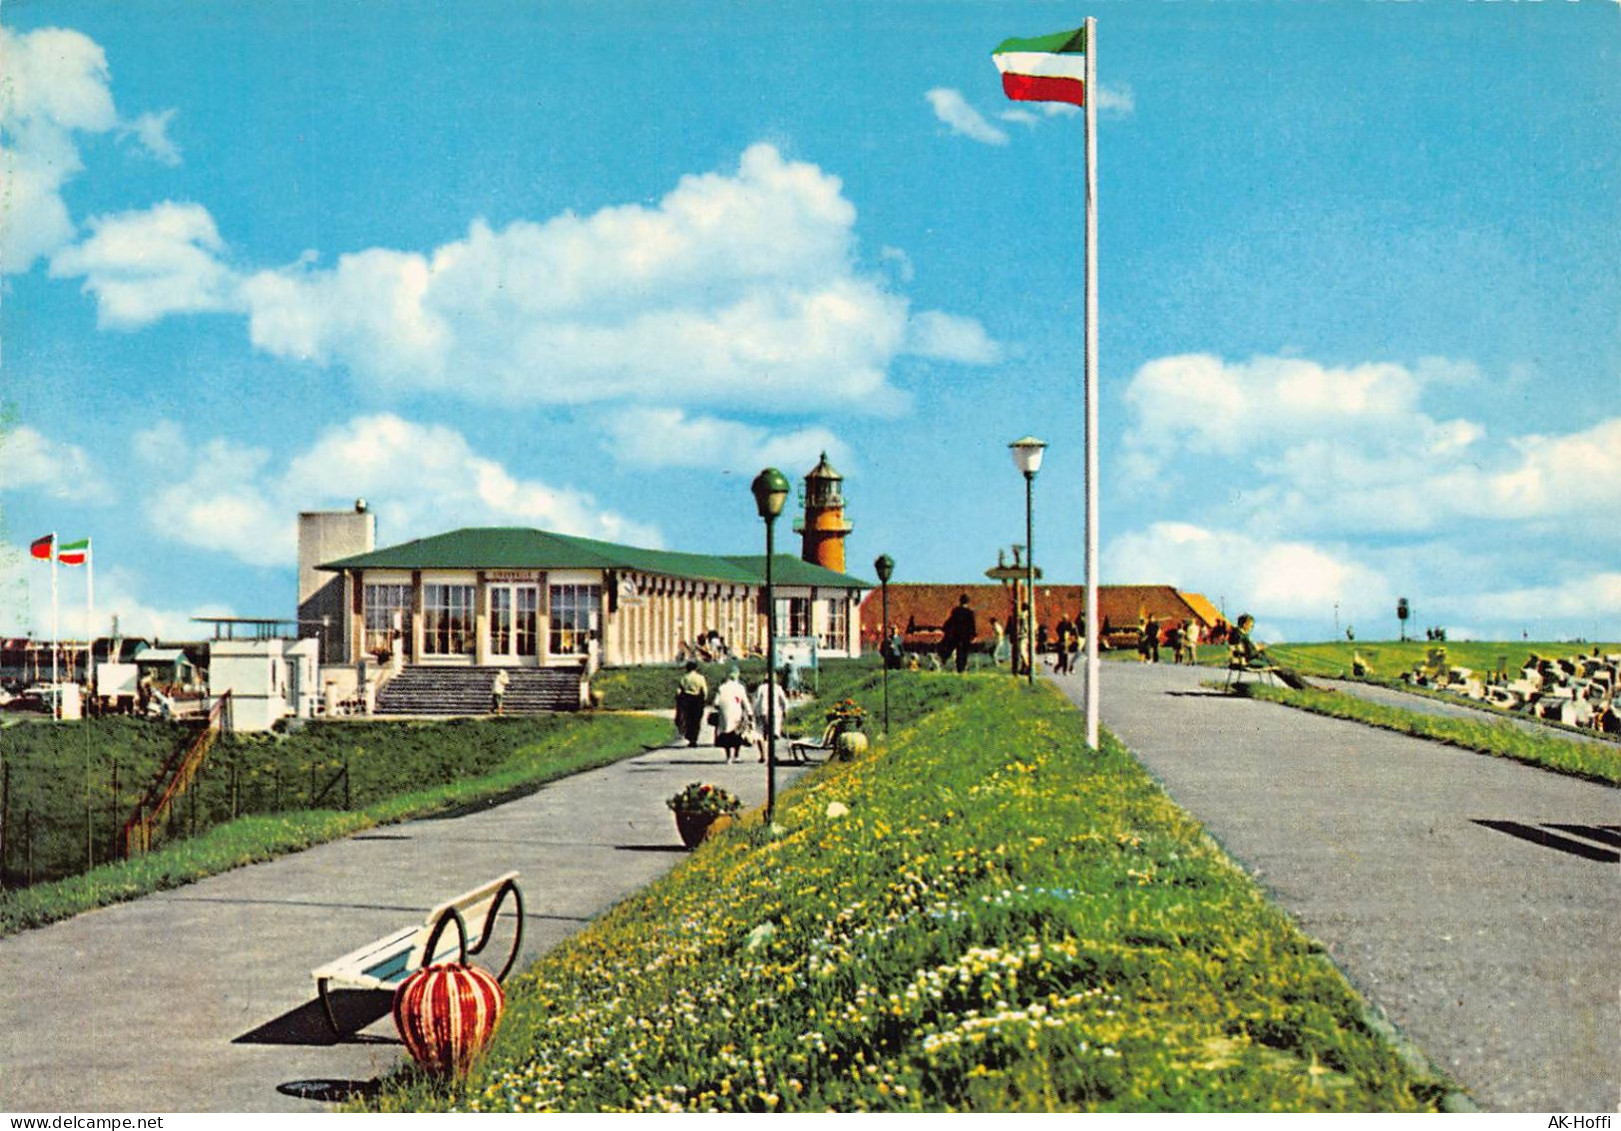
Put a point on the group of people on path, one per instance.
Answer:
(738, 717)
(960, 633)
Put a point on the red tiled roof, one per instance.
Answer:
(920, 609)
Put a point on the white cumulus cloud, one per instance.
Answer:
(55, 85)
(950, 337)
(1211, 405)
(1278, 581)
(737, 288)
(30, 460)
(951, 108)
(669, 437)
(243, 503)
(145, 265)
(25, 605)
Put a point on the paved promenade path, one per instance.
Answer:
(1473, 899)
(200, 998)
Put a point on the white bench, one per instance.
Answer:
(384, 964)
(800, 748)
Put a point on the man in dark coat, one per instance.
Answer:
(959, 633)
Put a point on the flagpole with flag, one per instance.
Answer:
(1063, 68)
(78, 554)
(44, 549)
(1093, 673)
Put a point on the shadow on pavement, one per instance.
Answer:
(330, 1091)
(1541, 835)
(307, 1025)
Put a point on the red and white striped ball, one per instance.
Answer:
(446, 1015)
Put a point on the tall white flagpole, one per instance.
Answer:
(1092, 624)
(55, 635)
(90, 613)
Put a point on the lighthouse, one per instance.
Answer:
(824, 526)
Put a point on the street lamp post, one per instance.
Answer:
(1027, 458)
(884, 566)
(770, 489)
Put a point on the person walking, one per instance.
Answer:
(733, 719)
(1065, 633)
(959, 633)
(498, 690)
(690, 695)
(761, 706)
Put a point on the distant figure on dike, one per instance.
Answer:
(960, 633)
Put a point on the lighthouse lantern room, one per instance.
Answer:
(824, 527)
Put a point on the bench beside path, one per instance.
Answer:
(201, 999)
(1474, 900)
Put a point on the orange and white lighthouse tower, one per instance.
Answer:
(824, 526)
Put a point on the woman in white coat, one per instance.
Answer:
(762, 712)
(733, 720)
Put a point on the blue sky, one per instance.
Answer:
(590, 266)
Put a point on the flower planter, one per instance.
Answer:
(848, 745)
(694, 827)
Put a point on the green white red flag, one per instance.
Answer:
(1047, 68)
(74, 553)
(43, 548)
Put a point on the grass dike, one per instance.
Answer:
(980, 915)
(1499, 738)
(398, 771)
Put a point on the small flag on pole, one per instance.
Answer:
(43, 548)
(1048, 68)
(74, 553)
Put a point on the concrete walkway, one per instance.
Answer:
(1474, 900)
(200, 999)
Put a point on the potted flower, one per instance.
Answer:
(701, 808)
(846, 718)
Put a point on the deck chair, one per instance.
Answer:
(1257, 667)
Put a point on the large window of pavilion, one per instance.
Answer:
(382, 604)
(835, 633)
(447, 619)
(575, 612)
(793, 616)
(514, 619)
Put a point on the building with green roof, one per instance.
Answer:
(519, 597)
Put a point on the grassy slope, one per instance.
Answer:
(1388, 659)
(999, 921)
(412, 770)
(63, 774)
(1502, 739)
